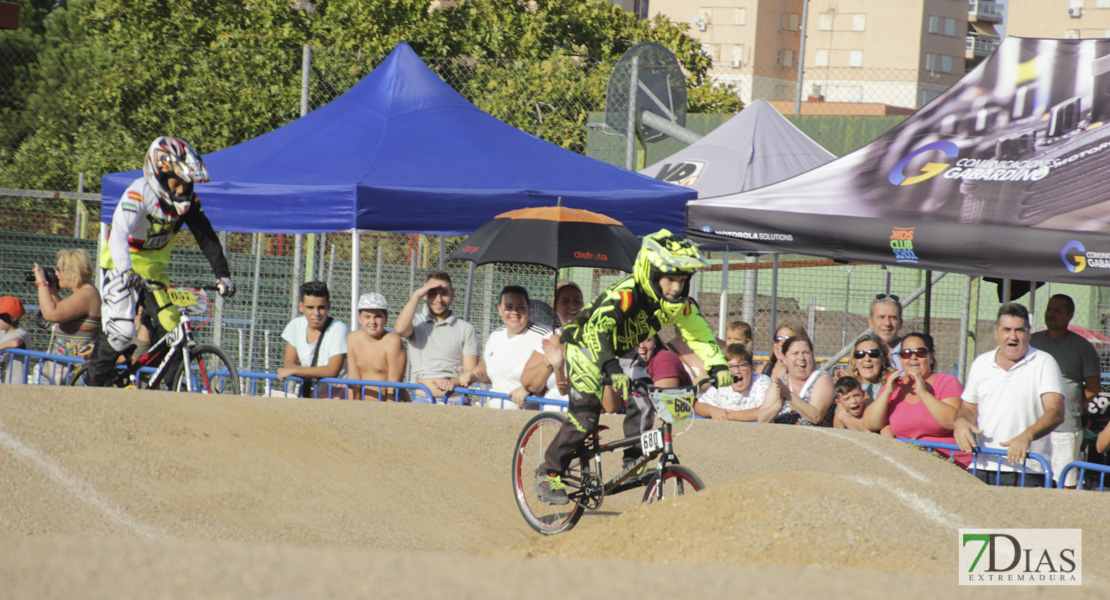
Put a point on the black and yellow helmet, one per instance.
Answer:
(662, 253)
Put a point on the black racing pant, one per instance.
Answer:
(584, 412)
(104, 356)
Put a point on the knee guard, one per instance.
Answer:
(117, 333)
(584, 375)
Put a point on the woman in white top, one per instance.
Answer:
(508, 349)
(546, 372)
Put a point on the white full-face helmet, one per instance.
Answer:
(170, 156)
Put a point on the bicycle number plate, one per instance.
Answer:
(651, 441)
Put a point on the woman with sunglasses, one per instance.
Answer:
(775, 367)
(803, 396)
(917, 402)
(870, 363)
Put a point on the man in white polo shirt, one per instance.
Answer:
(1013, 400)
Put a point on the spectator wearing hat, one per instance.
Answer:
(12, 367)
(373, 353)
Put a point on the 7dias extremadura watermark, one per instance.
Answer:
(1021, 556)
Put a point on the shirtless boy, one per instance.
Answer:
(373, 353)
(850, 402)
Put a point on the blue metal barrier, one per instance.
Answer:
(249, 381)
(1083, 467)
(52, 369)
(991, 451)
(543, 402)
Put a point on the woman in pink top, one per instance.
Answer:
(917, 402)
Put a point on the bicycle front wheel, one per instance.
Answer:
(77, 377)
(210, 370)
(545, 518)
(675, 481)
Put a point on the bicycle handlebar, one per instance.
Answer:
(152, 285)
(644, 385)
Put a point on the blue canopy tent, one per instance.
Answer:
(401, 151)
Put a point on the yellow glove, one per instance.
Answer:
(721, 376)
(621, 384)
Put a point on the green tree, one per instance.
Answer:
(110, 75)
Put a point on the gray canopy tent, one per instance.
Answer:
(755, 148)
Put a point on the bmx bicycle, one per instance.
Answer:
(180, 362)
(584, 482)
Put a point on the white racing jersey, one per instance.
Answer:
(142, 235)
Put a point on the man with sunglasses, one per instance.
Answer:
(442, 347)
(886, 322)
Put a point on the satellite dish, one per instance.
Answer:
(648, 79)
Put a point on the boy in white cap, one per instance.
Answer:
(373, 353)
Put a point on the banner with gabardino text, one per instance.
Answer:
(1007, 173)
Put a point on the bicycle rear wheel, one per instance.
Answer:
(211, 371)
(675, 481)
(527, 457)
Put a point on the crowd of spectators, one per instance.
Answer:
(1027, 395)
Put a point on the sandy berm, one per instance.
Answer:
(138, 494)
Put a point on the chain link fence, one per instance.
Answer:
(830, 300)
(63, 131)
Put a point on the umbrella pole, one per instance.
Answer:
(469, 289)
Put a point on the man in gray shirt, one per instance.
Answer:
(1079, 366)
(441, 345)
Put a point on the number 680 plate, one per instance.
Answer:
(651, 441)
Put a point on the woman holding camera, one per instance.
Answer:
(77, 317)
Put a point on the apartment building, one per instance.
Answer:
(898, 53)
(1063, 19)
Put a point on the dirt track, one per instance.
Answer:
(123, 493)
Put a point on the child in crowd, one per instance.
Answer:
(738, 332)
(741, 400)
(850, 402)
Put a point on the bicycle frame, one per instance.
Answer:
(660, 440)
(177, 344)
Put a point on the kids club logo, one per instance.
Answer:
(898, 176)
(901, 243)
(1021, 557)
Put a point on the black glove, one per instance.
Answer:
(131, 280)
(226, 286)
(720, 376)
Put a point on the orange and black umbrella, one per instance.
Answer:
(554, 236)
